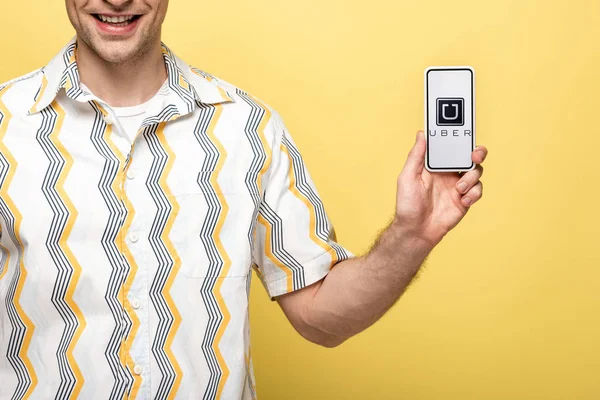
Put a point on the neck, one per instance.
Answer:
(124, 84)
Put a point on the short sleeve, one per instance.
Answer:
(295, 244)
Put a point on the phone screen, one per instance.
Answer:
(449, 118)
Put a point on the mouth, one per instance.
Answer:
(117, 21)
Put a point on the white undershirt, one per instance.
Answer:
(131, 118)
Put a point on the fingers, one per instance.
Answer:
(469, 184)
(468, 180)
(479, 154)
(416, 158)
(472, 195)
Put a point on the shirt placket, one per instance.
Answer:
(134, 292)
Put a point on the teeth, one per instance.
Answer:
(115, 20)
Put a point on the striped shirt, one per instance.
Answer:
(125, 267)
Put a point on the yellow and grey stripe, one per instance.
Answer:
(40, 94)
(222, 252)
(168, 259)
(22, 326)
(176, 261)
(69, 269)
(111, 189)
(319, 230)
(210, 234)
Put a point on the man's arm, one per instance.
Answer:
(358, 292)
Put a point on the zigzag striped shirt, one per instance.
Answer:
(125, 266)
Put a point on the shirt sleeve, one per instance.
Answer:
(295, 244)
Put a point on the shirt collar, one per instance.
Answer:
(189, 86)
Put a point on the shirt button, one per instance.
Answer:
(137, 370)
(130, 175)
(133, 238)
(135, 303)
(108, 119)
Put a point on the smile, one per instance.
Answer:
(119, 21)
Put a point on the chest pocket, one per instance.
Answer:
(214, 218)
(211, 231)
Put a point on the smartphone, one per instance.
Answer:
(449, 118)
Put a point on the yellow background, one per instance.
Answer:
(508, 306)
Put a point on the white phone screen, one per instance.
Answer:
(449, 118)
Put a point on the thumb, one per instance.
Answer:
(416, 158)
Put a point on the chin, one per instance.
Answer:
(116, 53)
(117, 58)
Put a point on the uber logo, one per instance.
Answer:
(450, 111)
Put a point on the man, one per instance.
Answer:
(135, 195)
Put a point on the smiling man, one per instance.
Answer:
(136, 196)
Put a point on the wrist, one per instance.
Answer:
(414, 239)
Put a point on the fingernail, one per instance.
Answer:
(462, 186)
(419, 134)
(466, 201)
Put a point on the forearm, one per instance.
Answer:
(359, 291)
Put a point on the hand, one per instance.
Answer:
(429, 205)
